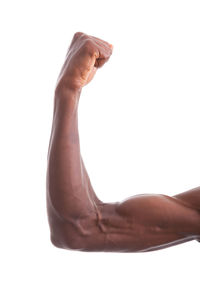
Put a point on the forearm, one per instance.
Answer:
(64, 146)
(66, 175)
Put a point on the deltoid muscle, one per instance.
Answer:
(78, 219)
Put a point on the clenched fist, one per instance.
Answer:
(85, 55)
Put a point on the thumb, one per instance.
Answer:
(103, 57)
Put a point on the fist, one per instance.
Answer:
(85, 55)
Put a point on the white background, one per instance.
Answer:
(139, 129)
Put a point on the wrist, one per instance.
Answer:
(67, 88)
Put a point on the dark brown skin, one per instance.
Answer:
(78, 219)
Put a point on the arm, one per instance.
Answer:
(77, 218)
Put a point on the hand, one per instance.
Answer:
(85, 55)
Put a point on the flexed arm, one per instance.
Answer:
(77, 218)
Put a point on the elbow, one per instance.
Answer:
(87, 239)
(64, 232)
(72, 242)
(75, 232)
(64, 236)
(70, 235)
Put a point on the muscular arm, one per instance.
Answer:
(77, 218)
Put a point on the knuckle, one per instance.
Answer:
(88, 46)
(78, 34)
(87, 42)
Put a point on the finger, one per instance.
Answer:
(100, 62)
(102, 41)
(77, 36)
(103, 55)
(106, 48)
(103, 48)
